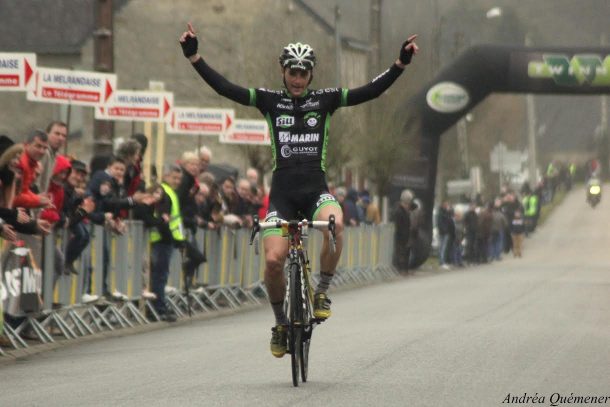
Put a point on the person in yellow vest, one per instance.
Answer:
(530, 209)
(167, 233)
(571, 174)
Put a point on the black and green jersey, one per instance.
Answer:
(299, 126)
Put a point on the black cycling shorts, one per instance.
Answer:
(296, 195)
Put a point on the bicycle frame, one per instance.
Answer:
(297, 255)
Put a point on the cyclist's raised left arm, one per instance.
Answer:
(382, 82)
(189, 44)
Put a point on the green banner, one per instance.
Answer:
(581, 69)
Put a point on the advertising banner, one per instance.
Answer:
(248, 132)
(197, 121)
(65, 86)
(560, 71)
(140, 106)
(17, 71)
(21, 283)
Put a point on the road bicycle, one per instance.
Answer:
(299, 292)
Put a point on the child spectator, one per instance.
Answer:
(517, 232)
(76, 208)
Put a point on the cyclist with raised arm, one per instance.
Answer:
(299, 120)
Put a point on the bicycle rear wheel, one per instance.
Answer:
(295, 332)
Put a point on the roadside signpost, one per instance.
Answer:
(140, 106)
(197, 121)
(17, 71)
(247, 132)
(65, 86)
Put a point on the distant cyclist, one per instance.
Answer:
(299, 120)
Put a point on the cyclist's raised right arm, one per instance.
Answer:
(189, 44)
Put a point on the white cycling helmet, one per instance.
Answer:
(298, 56)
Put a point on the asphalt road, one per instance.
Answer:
(536, 326)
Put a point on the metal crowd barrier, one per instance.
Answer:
(231, 277)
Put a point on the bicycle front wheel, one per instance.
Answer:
(295, 332)
(304, 351)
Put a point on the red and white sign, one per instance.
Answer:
(197, 121)
(17, 71)
(138, 106)
(65, 86)
(248, 132)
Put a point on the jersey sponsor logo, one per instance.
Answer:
(287, 137)
(284, 121)
(310, 104)
(284, 106)
(325, 198)
(312, 119)
(305, 150)
(275, 92)
(286, 151)
(327, 90)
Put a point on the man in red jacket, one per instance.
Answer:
(36, 146)
(61, 171)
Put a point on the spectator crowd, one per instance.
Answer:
(477, 232)
(45, 191)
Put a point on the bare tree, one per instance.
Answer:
(386, 143)
(258, 157)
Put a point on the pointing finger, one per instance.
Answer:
(191, 29)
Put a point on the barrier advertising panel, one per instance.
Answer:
(21, 283)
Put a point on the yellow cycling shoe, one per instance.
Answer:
(279, 340)
(321, 306)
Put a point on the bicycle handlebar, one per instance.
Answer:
(257, 226)
(316, 224)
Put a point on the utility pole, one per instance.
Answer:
(604, 124)
(103, 61)
(374, 113)
(531, 131)
(337, 46)
(375, 41)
